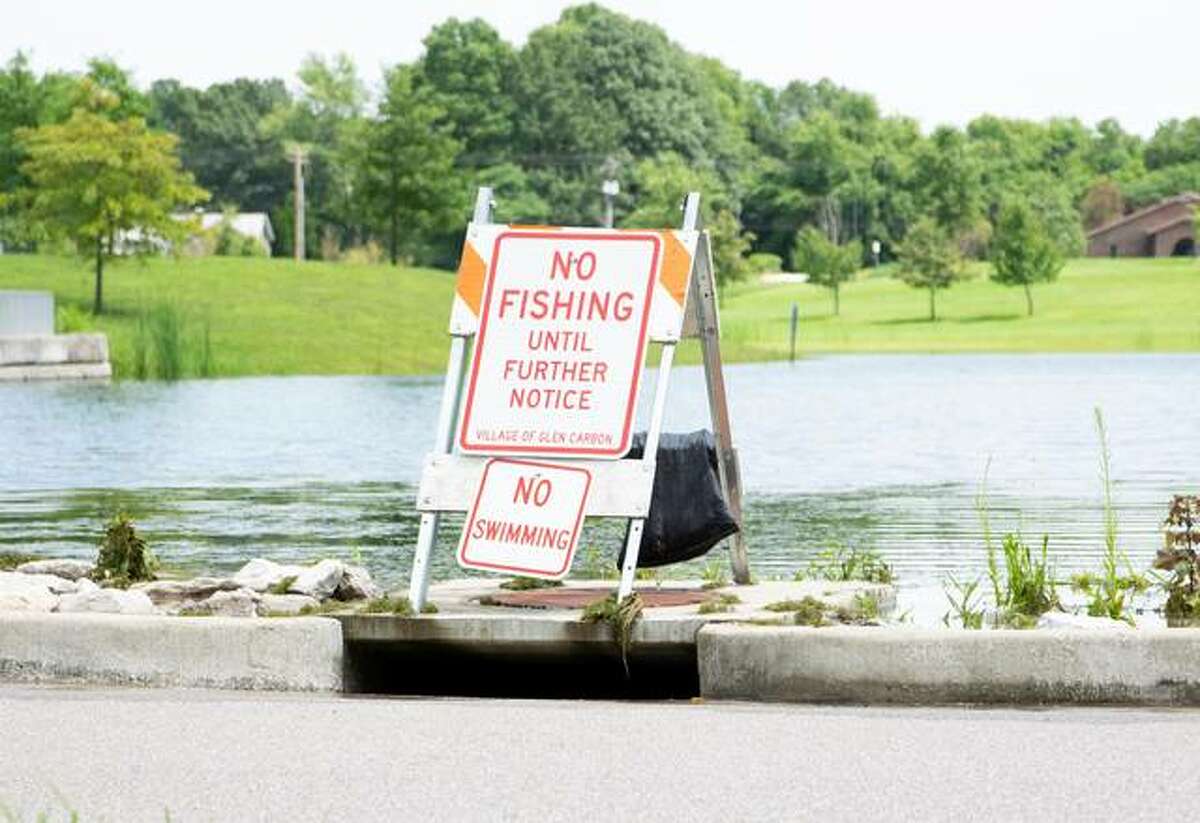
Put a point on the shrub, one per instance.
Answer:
(124, 557)
(71, 319)
(843, 563)
(1180, 557)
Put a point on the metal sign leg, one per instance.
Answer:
(456, 371)
(633, 543)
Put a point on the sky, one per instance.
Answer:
(941, 61)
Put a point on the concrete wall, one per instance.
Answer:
(913, 666)
(26, 312)
(295, 654)
(53, 349)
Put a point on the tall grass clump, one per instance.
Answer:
(166, 336)
(1109, 592)
(1023, 585)
(166, 346)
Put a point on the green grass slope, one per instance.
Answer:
(277, 317)
(265, 316)
(1095, 305)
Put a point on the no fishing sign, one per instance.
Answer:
(525, 519)
(563, 327)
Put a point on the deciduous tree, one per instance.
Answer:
(1022, 253)
(826, 263)
(930, 259)
(93, 180)
(409, 181)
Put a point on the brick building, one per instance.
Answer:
(1166, 229)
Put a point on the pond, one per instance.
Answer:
(879, 451)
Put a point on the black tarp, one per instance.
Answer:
(688, 515)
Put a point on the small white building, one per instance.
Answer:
(255, 225)
(252, 224)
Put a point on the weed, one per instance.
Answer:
(328, 607)
(714, 576)
(809, 612)
(1028, 586)
(985, 523)
(1109, 592)
(864, 609)
(1180, 558)
(124, 557)
(10, 560)
(842, 564)
(389, 605)
(429, 608)
(719, 604)
(620, 616)
(283, 585)
(654, 575)
(965, 606)
(69, 319)
(520, 584)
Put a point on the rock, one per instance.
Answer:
(56, 584)
(357, 585)
(1062, 620)
(109, 601)
(260, 574)
(238, 603)
(26, 593)
(59, 567)
(269, 604)
(320, 580)
(173, 594)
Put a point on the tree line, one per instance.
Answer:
(792, 177)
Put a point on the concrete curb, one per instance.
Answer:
(295, 654)
(912, 666)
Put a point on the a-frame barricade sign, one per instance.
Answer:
(549, 332)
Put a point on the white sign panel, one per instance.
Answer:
(562, 338)
(525, 519)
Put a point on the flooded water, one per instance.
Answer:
(878, 451)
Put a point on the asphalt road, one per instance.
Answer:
(203, 756)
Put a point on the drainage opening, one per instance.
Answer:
(415, 668)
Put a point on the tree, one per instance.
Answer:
(930, 259)
(409, 179)
(1102, 202)
(1022, 252)
(468, 72)
(948, 181)
(826, 263)
(92, 180)
(662, 182)
(327, 121)
(221, 139)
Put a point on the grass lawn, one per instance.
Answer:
(1097, 304)
(276, 317)
(264, 316)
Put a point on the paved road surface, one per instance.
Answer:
(131, 755)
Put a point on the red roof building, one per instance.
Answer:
(1166, 229)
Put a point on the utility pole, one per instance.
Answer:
(610, 189)
(298, 156)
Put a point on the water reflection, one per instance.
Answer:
(876, 451)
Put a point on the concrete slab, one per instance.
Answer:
(53, 349)
(938, 666)
(61, 371)
(294, 654)
(464, 620)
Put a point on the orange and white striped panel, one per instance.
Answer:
(678, 253)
